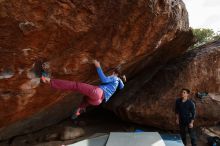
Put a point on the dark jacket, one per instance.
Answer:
(186, 111)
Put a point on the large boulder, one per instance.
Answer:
(67, 34)
(152, 102)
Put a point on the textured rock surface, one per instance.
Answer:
(68, 34)
(152, 103)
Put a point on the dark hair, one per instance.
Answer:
(187, 90)
(120, 75)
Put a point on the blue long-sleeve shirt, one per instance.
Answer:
(109, 84)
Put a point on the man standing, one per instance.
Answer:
(185, 116)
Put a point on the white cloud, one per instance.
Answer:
(213, 22)
(212, 3)
(204, 13)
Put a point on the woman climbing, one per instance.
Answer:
(94, 94)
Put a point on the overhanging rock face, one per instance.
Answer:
(152, 103)
(69, 33)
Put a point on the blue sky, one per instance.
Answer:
(204, 13)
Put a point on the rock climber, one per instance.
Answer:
(95, 95)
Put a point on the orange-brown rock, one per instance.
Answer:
(68, 34)
(152, 102)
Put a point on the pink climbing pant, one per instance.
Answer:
(94, 94)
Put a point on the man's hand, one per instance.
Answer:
(177, 121)
(96, 63)
(191, 124)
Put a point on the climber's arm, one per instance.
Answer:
(101, 75)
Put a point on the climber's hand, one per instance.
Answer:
(96, 63)
(46, 66)
(124, 78)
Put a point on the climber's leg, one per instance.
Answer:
(94, 93)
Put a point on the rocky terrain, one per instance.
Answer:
(146, 39)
